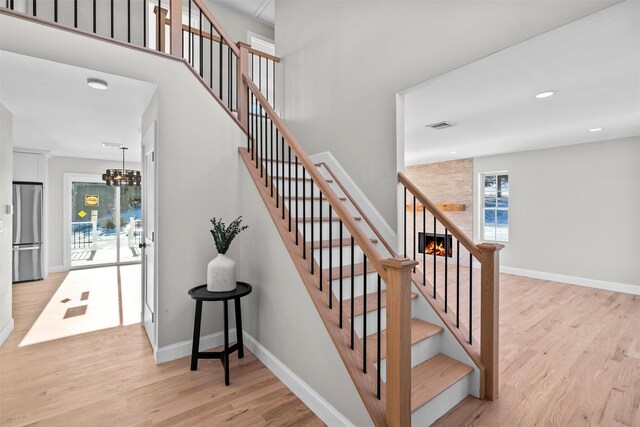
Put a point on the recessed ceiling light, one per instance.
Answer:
(453, 152)
(596, 129)
(97, 84)
(546, 94)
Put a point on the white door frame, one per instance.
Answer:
(151, 325)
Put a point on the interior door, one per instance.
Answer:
(149, 294)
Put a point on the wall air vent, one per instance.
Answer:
(440, 125)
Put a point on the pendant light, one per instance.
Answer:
(120, 177)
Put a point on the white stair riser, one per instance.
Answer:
(335, 229)
(441, 404)
(278, 171)
(358, 284)
(307, 204)
(372, 322)
(358, 255)
(420, 352)
(302, 186)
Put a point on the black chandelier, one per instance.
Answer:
(120, 177)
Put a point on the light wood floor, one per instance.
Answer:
(569, 356)
(109, 378)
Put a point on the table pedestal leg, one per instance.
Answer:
(239, 329)
(195, 348)
(226, 344)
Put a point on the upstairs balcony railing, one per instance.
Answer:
(183, 29)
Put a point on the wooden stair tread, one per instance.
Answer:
(336, 243)
(432, 377)
(343, 199)
(372, 302)
(330, 181)
(326, 218)
(420, 331)
(358, 270)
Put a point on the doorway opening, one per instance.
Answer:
(105, 223)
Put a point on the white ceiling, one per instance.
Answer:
(592, 63)
(55, 110)
(263, 10)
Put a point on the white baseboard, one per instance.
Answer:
(182, 349)
(6, 331)
(580, 281)
(57, 269)
(323, 409)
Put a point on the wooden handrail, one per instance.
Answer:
(444, 220)
(216, 25)
(359, 209)
(264, 54)
(341, 211)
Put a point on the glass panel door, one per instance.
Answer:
(106, 224)
(93, 224)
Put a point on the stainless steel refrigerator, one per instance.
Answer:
(27, 232)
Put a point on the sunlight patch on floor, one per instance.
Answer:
(87, 301)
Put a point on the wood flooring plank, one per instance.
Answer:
(109, 377)
(568, 357)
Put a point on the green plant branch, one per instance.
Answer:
(223, 235)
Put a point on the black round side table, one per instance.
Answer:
(200, 293)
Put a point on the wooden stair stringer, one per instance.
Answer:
(365, 384)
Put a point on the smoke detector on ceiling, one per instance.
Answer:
(440, 125)
(112, 145)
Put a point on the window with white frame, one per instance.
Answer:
(495, 207)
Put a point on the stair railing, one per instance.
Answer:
(277, 160)
(458, 300)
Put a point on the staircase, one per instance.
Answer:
(414, 341)
(353, 284)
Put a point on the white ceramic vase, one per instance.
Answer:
(221, 274)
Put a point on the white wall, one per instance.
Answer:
(586, 196)
(58, 166)
(6, 198)
(280, 314)
(196, 153)
(343, 62)
(237, 24)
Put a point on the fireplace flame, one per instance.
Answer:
(439, 249)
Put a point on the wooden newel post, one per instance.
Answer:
(176, 28)
(398, 271)
(160, 30)
(489, 319)
(243, 90)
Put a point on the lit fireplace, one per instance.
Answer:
(427, 244)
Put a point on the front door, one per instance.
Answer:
(148, 240)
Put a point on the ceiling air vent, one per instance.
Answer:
(440, 125)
